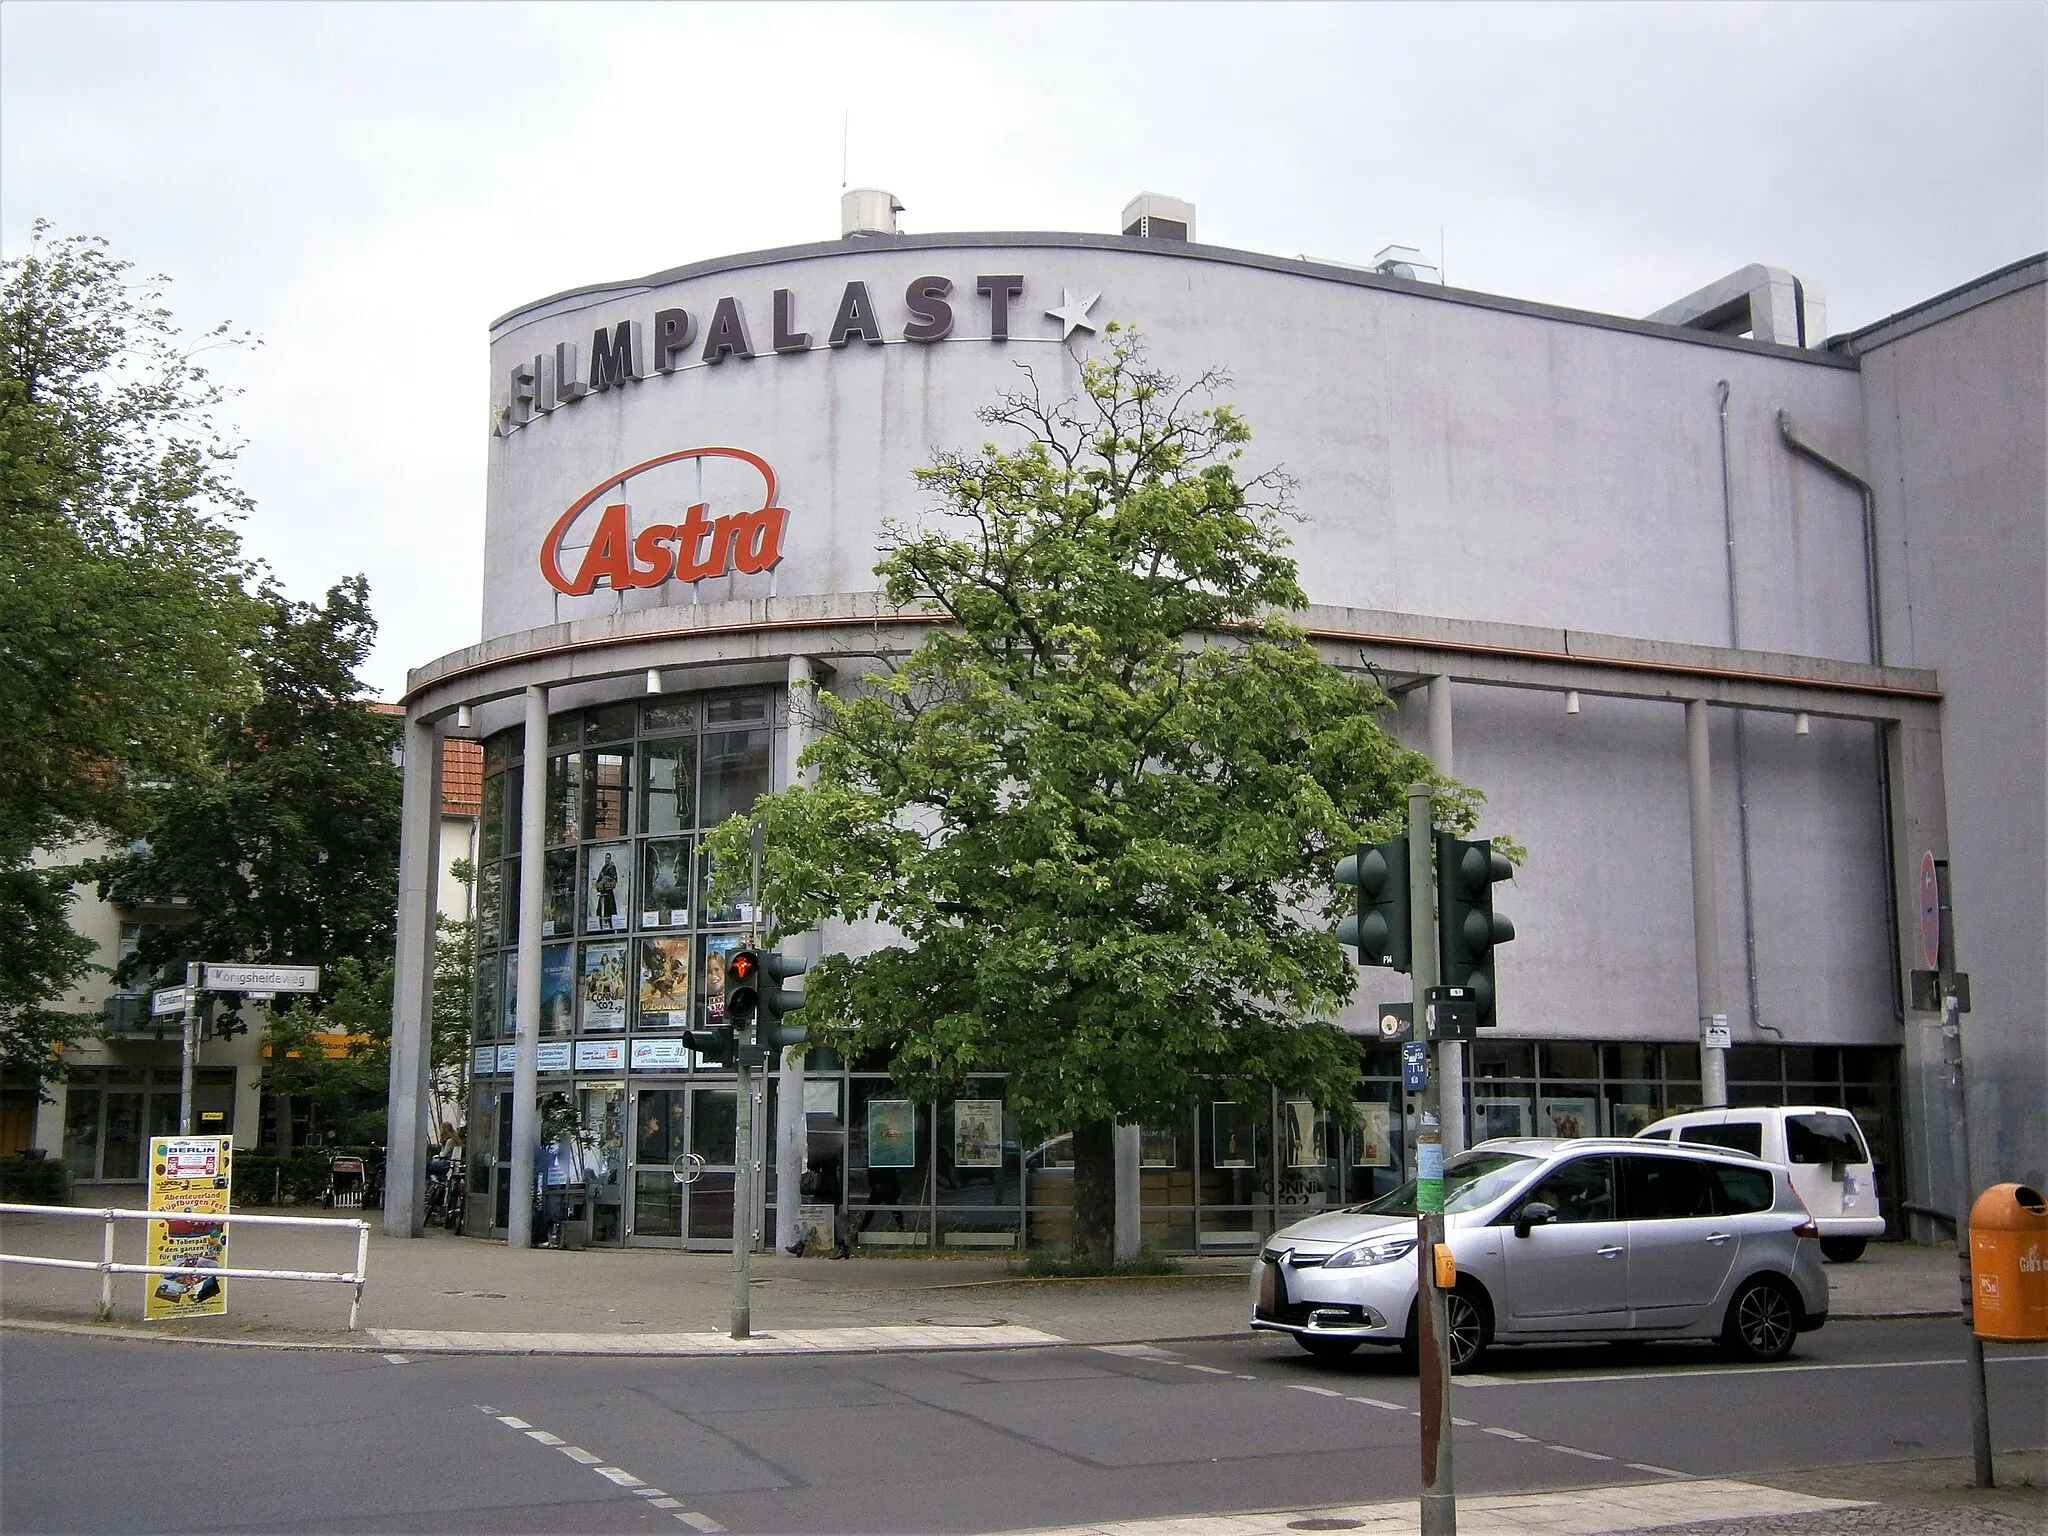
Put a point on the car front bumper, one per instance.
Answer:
(1363, 1304)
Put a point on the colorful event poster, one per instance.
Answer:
(602, 994)
(977, 1133)
(605, 884)
(665, 983)
(1375, 1147)
(188, 1174)
(716, 951)
(892, 1133)
(558, 990)
(1569, 1118)
(665, 871)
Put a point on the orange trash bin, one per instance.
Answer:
(2009, 1264)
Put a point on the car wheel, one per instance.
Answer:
(1762, 1321)
(1842, 1250)
(1464, 1319)
(1326, 1349)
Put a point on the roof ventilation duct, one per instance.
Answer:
(1764, 303)
(1155, 216)
(1405, 261)
(867, 211)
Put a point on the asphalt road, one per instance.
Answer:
(127, 1435)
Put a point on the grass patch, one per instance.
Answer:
(1051, 1266)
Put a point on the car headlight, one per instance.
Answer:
(1378, 1250)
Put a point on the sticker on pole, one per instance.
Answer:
(1930, 912)
(1429, 1176)
(188, 1175)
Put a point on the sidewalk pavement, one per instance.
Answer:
(439, 1293)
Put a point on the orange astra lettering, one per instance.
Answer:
(651, 549)
(760, 541)
(689, 540)
(723, 532)
(610, 555)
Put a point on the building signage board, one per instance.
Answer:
(600, 1055)
(188, 1174)
(166, 1000)
(261, 978)
(483, 1060)
(508, 1058)
(553, 1056)
(660, 1054)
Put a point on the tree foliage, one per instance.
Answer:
(125, 619)
(1098, 809)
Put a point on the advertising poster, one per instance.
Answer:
(483, 1060)
(665, 874)
(1158, 1149)
(558, 895)
(1569, 1118)
(1627, 1119)
(600, 1055)
(558, 989)
(1499, 1117)
(1233, 1136)
(188, 1173)
(1301, 1132)
(892, 1133)
(977, 1133)
(606, 888)
(601, 993)
(665, 983)
(553, 1056)
(1375, 1136)
(715, 952)
(660, 1055)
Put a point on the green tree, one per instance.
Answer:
(1100, 807)
(125, 617)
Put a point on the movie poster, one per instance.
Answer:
(716, 951)
(601, 999)
(1375, 1136)
(558, 894)
(892, 1133)
(188, 1174)
(606, 889)
(665, 983)
(1301, 1134)
(1232, 1133)
(1158, 1149)
(1569, 1118)
(665, 882)
(558, 990)
(508, 997)
(977, 1133)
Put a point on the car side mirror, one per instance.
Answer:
(1534, 1214)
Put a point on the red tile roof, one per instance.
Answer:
(462, 777)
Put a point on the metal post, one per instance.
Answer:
(1706, 913)
(526, 1011)
(1958, 1095)
(106, 1312)
(1439, 1498)
(1451, 1058)
(743, 1206)
(791, 1140)
(355, 1305)
(188, 1060)
(412, 992)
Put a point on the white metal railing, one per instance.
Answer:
(108, 1268)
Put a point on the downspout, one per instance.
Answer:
(1873, 605)
(1756, 1019)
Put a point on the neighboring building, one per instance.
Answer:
(1629, 567)
(121, 1083)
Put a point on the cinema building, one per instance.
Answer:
(1738, 625)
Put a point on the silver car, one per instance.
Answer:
(1562, 1241)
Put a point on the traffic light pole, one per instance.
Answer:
(1432, 1344)
(743, 1139)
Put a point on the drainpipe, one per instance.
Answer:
(1752, 996)
(1873, 605)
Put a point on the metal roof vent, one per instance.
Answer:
(1405, 261)
(1155, 216)
(1764, 303)
(867, 211)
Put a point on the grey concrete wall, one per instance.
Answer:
(1958, 456)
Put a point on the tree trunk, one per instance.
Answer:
(1095, 1195)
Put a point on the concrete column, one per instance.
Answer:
(526, 1010)
(412, 990)
(791, 1142)
(1130, 1210)
(1706, 914)
(1451, 1059)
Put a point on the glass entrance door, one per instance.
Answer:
(690, 1131)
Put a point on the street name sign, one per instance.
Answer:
(169, 1000)
(261, 978)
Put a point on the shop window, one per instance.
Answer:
(563, 814)
(1569, 1110)
(501, 749)
(735, 773)
(558, 895)
(608, 722)
(565, 731)
(669, 715)
(1568, 1058)
(665, 867)
(607, 793)
(1499, 1058)
(1754, 1064)
(1812, 1064)
(668, 778)
(736, 708)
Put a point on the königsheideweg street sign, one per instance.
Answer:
(261, 978)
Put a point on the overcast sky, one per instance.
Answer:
(368, 186)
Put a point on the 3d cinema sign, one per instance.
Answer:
(632, 350)
(697, 547)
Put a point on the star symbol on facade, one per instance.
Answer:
(1073, 312)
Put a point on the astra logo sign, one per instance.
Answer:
(697, 547)
(632, 351)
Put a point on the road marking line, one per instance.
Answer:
(1644, 1466)
(698, 1522)
(1302, 1386)
(398, 1359)
(544, 1437)
(486, 1408)
(1247, 1378)
(510, 1422)
(1379, 1403)
(1464, 1423)
(620, 1476)
(577, 1453)
(1709, 1372)
(649, 1491)
(1573, 1450)
(1134, 1351)
(1207, 1370)
(1506, 1434)
(665, 1502)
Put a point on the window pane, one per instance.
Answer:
(607, 783)
(1569, 1059)
(669, 715)
(612, 722)
(564, 817)
(1581, 1190)
(1743, 1190)
(1753, 1064)
(82, 1128)
(1738, 1137)
(668, 778)
(665, 883)
(1824, 1139)
(1668, 1188)
(734, 911)
(515, 813)
(607, 887)
(565, 731)
(558, 895)
(558, 990)
(1501, 1058)
(491, 842)
(489, 903)
(499, 751)
(735, 774)
(736, 709)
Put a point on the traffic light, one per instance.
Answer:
(1379, 930)
(742, 988)
(778, 1001)
(714, 1045)
(1468, 929)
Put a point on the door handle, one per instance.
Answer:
(1607, 1253)
(1719, 1237)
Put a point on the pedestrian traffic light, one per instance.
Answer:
(1468, 929)
(778, 1001)
(1380, 929)
(742, 988)
(714, 1046)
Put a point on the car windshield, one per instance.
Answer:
(1471, 1179)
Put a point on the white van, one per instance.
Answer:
(1822, 1145)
